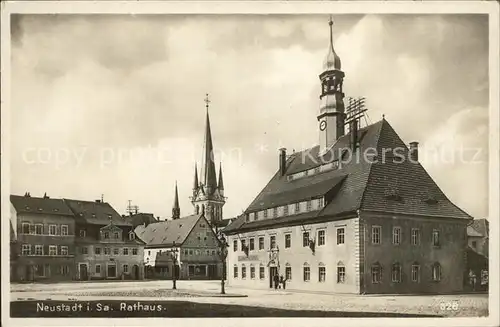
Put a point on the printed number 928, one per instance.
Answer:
(449, 306)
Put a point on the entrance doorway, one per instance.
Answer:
(83, 272)
(135, 272)
(272, 272)
(112, 271)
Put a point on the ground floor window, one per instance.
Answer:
(235, 271)
(98, 269)
(415, 273)
(340, 274)
(39, 271)
(243, 272)
(322, 274)
(125, 269)
(65, 270)
(261, 272)
(288, 273)
(436, 272)
(252, 272)
(396, 273)
(307, 273)
(376, 273)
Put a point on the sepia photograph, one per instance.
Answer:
(192, 162)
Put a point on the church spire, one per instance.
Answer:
(176, 210)
(208, 177)
(196, 183)
(221, 182)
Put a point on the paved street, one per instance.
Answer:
(207, 292)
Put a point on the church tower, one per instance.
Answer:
(208, 194)
(176, 209)
(331, 112)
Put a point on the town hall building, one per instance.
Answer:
(356, 214)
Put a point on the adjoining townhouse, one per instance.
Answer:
(356, 214)
(106, 245)
(477, 270)
(44, 231)
(195, 244)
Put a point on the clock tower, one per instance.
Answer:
(332, 112)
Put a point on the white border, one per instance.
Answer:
(258, 7)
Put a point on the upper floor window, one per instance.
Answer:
(64, 230)
(340, 235)
(243, 244)
(97, 250)
(38, 249)
(252, 243)
(131, 236)
(107, 251)
(396, 235)
(52, 229)
(117, 235)
(125, 251)
(474, 244)
(134, 251)
(235, 245)
(82, 233)
(376, 234)
(39, 229)
(25, 228)
(435, 238)
(309, 205)
(26, 249)
(321, 237)
(415, 236)
(116, 251)
(64, 250)
(106, 235)
(305, 239)
(52, 250)
(272, 241)
(288, 240)
(261, 242)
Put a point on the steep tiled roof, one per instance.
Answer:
(371, 185)
(141, 218)
(165, 233)
(97, 213)
(480, 227)
(34, 205)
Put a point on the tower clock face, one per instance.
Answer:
(322, 125)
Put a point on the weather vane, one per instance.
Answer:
(207, 100)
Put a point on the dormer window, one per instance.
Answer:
(117, 235)
(275, 212)
(106, 235)
(131, 236)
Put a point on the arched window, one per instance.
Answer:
(243, 271)
(306, 272)
(288, 271)
(396, 273)
(235, 271)
(436, 272)
(376, 273)
(197, 209)
(321, 272)
(340, 272)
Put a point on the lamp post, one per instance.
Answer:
(222, 251)
(173, 255)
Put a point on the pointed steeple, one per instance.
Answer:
(332, 61)
(221, 182)
(208, 177)
(176, 210)
(196, 183)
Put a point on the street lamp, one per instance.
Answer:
(173, 255)
(222, 251)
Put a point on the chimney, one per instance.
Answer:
(414, 151)
(282, 161)
(354, 134)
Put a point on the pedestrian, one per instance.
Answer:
(276, 281)
(283, 281)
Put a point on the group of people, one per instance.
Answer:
(279, 282)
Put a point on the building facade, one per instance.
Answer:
(192, 240)
(356, 214)
(106, 245)
(45, 233)
(477, 270)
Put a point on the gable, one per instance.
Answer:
(202, 235)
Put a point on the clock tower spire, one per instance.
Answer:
(331, 112)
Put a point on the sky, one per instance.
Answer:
(113, 106)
